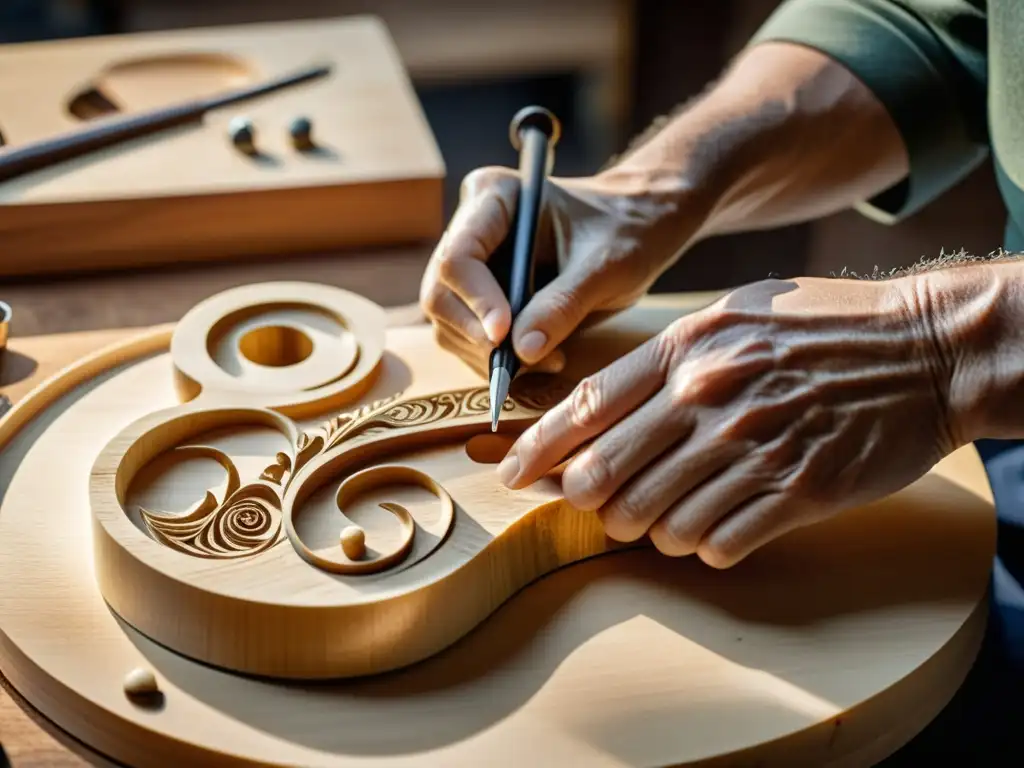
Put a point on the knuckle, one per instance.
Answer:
(588, 480)
(808, 477)
(559, 309)
(432, 301)
(693, 384)
(743, 426)
(585, 404)
(777, 458)
(484, 178)
(668, 345)
(449, 268)
(681, 391)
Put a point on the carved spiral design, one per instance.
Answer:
(250, 518)
(244, 526)
(368, 479)
(480, 402)
(248, 521)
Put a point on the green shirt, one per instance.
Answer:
(951, 74)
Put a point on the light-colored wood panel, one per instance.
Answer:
(187, 194)
(631, 658)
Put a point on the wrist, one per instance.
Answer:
(675, 172)
(662, 209)
(677, 182)
(973, 319)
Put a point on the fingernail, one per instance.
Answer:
(508, 470)
(532, 343)
(491, 320)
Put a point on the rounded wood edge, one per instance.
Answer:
(854, 739)
(198, 374)
(851, 740)
(48, 391)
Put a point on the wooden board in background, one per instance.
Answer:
(187, 194)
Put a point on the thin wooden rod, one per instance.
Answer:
(105, 132)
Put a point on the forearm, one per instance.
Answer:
(974, 317)
(787, 135)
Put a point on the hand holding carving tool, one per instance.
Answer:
(534, 132)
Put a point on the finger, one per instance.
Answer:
(629, 514)
(451, 340)
(480, 224)
(749, 527)
(597, 402)
(679, 531)
(443, 306)
(557, 310)
(608, 463)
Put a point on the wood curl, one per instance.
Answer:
(369, 479)
(245, 523)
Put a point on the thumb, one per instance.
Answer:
(555, 312)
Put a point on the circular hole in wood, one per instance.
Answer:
(148, 82)
(275, 346)
(489, 448)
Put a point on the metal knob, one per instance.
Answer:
(534, 117)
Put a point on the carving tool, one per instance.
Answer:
(105, 132)
(534, 132)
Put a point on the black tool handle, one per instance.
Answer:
(534, 131)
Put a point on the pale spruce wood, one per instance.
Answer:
(781, 704)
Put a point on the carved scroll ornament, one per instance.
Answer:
(251, 518)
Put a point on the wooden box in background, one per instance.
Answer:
(187, 194)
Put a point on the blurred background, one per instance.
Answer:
(606, 67)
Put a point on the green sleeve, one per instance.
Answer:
(926, 62)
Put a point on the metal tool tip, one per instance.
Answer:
(500, 381)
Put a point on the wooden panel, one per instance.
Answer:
(786, 670)
(187, 194)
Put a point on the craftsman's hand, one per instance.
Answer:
(610, 235)
(781, 404)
